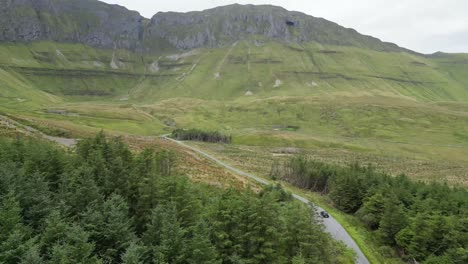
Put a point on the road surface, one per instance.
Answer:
(332, 226)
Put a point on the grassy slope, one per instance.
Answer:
(376, 106)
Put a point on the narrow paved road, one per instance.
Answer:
(331, 225)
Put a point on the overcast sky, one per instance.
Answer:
(422, 25)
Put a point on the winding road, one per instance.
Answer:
(332, 226)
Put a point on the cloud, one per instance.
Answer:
(421, 25)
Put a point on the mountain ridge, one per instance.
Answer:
(103, 25)
(283, 23)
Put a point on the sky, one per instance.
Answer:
(421, 25)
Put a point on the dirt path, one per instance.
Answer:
(66, 142)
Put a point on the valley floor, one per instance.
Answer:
(403, 112)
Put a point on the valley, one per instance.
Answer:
(395, 109)
(209, 135)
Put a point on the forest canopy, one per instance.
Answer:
(416, 220)
(103, 203)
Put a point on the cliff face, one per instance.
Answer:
(224, 25)
(85, 21)
(107, 26)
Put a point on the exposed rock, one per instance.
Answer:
(60, 54)
(86, 21)
(222, 26)
(176, 57)
(154, 67)
(113, 64)
(103, 25)
(98, 64)
(248, 93)
(278, 83)
(116, 63)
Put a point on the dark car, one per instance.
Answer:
(324, 214)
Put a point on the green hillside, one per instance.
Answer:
(334, 98)
(269, 69)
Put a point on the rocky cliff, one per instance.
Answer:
(107, 26)
(224, 25)
(85, 21)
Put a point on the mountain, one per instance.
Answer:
(108, 26)
(225, 25)
(85, 21)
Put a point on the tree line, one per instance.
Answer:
(200, 135)
(104, 204)
(414, 220)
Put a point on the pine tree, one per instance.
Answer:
(55, 230)
(15, 238)
(429, 235)
(372, 210)
(393, 220)
(134, 254)
(74, 247)
(223, 220)
(183, 196)
(298, 260)
(79, 190)
(347, 191)
(170, 248)
(32, 256)
(110, 227)
(199, 248)
(35, 198)
(144, 186)
(260, 228)
(302, 237)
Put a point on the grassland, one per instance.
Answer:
(405, 112)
